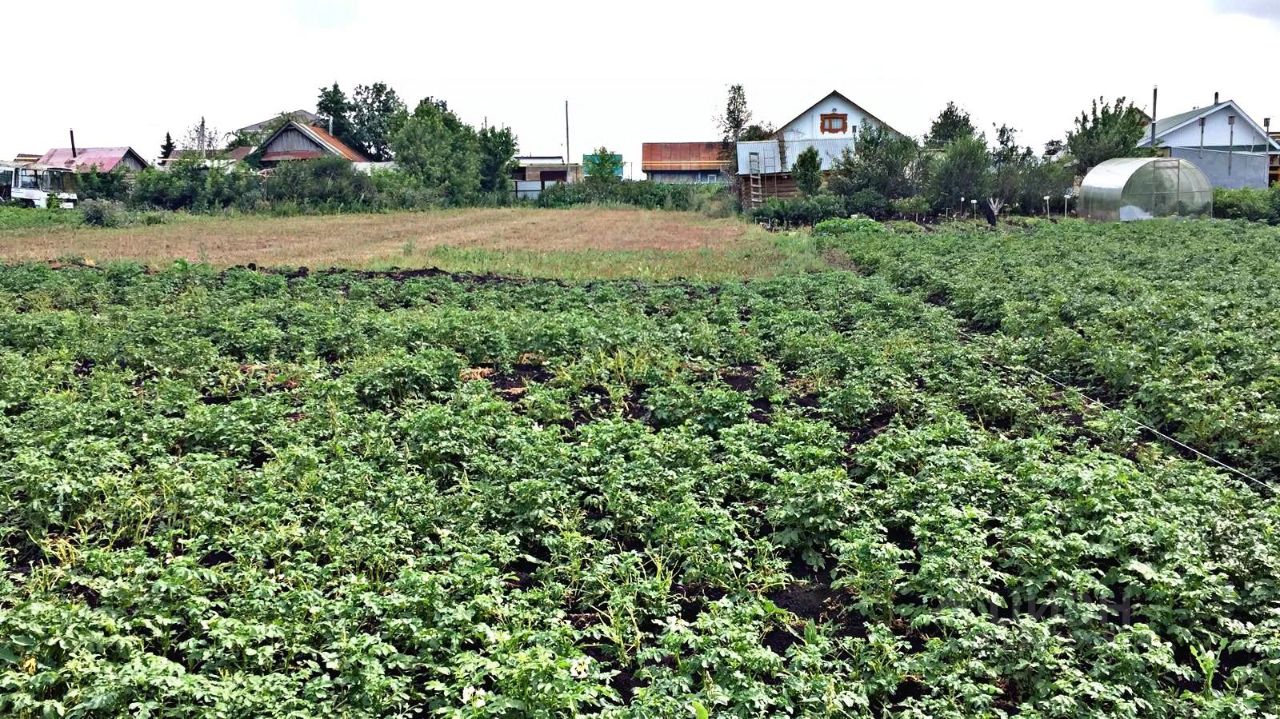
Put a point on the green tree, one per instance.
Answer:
(736, 115)
(1052, 177)
(1107, 131)
(327, 183)
(374, 112)
(166, 150)
(880, 161)
(964, 170)
(756, 131)
(96, 185)
(952, 123)
(334, 106)
(602, 167)
(735, 126)
(441, 152)
(1009, 166)
(808, 172)
(498, 148)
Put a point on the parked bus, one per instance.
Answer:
(37, 185)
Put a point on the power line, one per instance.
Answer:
(1142, 425)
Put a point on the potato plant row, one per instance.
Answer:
(344, 495)
(1177, 321)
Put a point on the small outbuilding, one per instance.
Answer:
(534, 173)
(1143, 188)
(684, 162)
(86, 159)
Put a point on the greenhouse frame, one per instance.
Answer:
(1143, 188)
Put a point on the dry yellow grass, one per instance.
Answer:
(583, 242)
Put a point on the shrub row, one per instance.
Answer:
(811, 210)
(1252, 204)
(323, 185)
(799, 211)
(713, 199)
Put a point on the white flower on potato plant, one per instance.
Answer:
(579, 667)
(473, 696)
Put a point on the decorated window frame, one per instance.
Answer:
(834, 123)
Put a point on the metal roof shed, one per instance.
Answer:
(1142, 188)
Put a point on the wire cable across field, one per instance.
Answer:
(1123, 415)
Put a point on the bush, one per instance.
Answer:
(112, 186)
(395, 190)
(868, 202)
(903, 227)
(189, 185)
(238, 187)
(799, 211)
(97, 213)
(1251, 204)
(848, 226)
(330, 184)
(916, 207)
(642, 193)
(178, 188)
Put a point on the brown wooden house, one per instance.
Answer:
(684, 162)
(299, 141)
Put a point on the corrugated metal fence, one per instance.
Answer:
(1232, 170)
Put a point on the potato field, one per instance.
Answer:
(1178, 321)
(254, 493)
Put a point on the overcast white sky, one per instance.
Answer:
(123, 73)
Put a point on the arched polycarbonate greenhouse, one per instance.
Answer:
(1141, 188)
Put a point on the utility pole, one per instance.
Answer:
(1231, 143)
(567, 155)
(1155, 100)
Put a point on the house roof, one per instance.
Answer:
(1182, 119)
(303, 116)
(842, 96)
(234, 154)
(86, 158)
(681, 156)
(535, 160)
(328, 144)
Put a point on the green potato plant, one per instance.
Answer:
(339, 494)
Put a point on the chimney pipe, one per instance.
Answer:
(1215, 98)
(73, 144)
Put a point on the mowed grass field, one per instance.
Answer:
(571, 244)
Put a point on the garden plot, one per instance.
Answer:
(250, 493)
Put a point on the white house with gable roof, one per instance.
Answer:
(830, 125)
(1222, 140)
